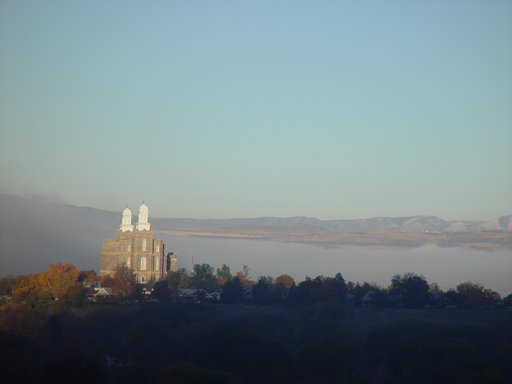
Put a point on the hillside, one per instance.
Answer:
(16, 208)
(399, 224)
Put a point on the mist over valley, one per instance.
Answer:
(34, 234)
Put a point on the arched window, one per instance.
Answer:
(143, 264)
(142, 279)
(157, 248)
(143, 244)
(128, 248)
(156, 263)
(128, 262)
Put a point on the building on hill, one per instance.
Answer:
(136, 248)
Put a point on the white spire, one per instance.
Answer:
(126, 223)
(143, 218)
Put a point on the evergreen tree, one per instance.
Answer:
(231, 292)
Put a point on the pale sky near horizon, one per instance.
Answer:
(327, 109)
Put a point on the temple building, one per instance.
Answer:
(136, 248)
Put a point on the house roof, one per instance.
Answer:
(147, 287)
(104, 292)
(187, 291)
(192, 292)
(434, 296)
(368, 296)
(95, 284)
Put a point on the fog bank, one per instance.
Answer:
(34, 234)
(446, 266)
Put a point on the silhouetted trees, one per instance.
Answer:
(414, 288)
(316, 341)
(310, 292)
(311, 341)
(232, 292)
(476, 295)
(161, 291)
(360, 290)
(266, 292)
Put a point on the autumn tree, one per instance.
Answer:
(124, 280)
(87, 276)
(285, 280)
(243, 276)
(23, 319)
(60, 281)
(476, 295)
(107, 281)
(60, 278)
(28, 288)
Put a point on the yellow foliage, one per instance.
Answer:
(60, 278)
(42, 286)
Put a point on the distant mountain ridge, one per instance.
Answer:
(84, 216)
(400, 224)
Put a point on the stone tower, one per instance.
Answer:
(136, 248)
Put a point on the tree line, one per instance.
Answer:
(51, 333)
(64, 283)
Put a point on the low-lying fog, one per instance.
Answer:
(446, 266)
(31, 249)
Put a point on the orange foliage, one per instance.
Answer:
(45, 285)
(285, 280)
(60, 278)
(87, 276)
(243, 278)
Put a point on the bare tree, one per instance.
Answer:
(124, 281)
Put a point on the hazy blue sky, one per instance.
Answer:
(218, 109)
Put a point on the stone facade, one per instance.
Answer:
(136, 248)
